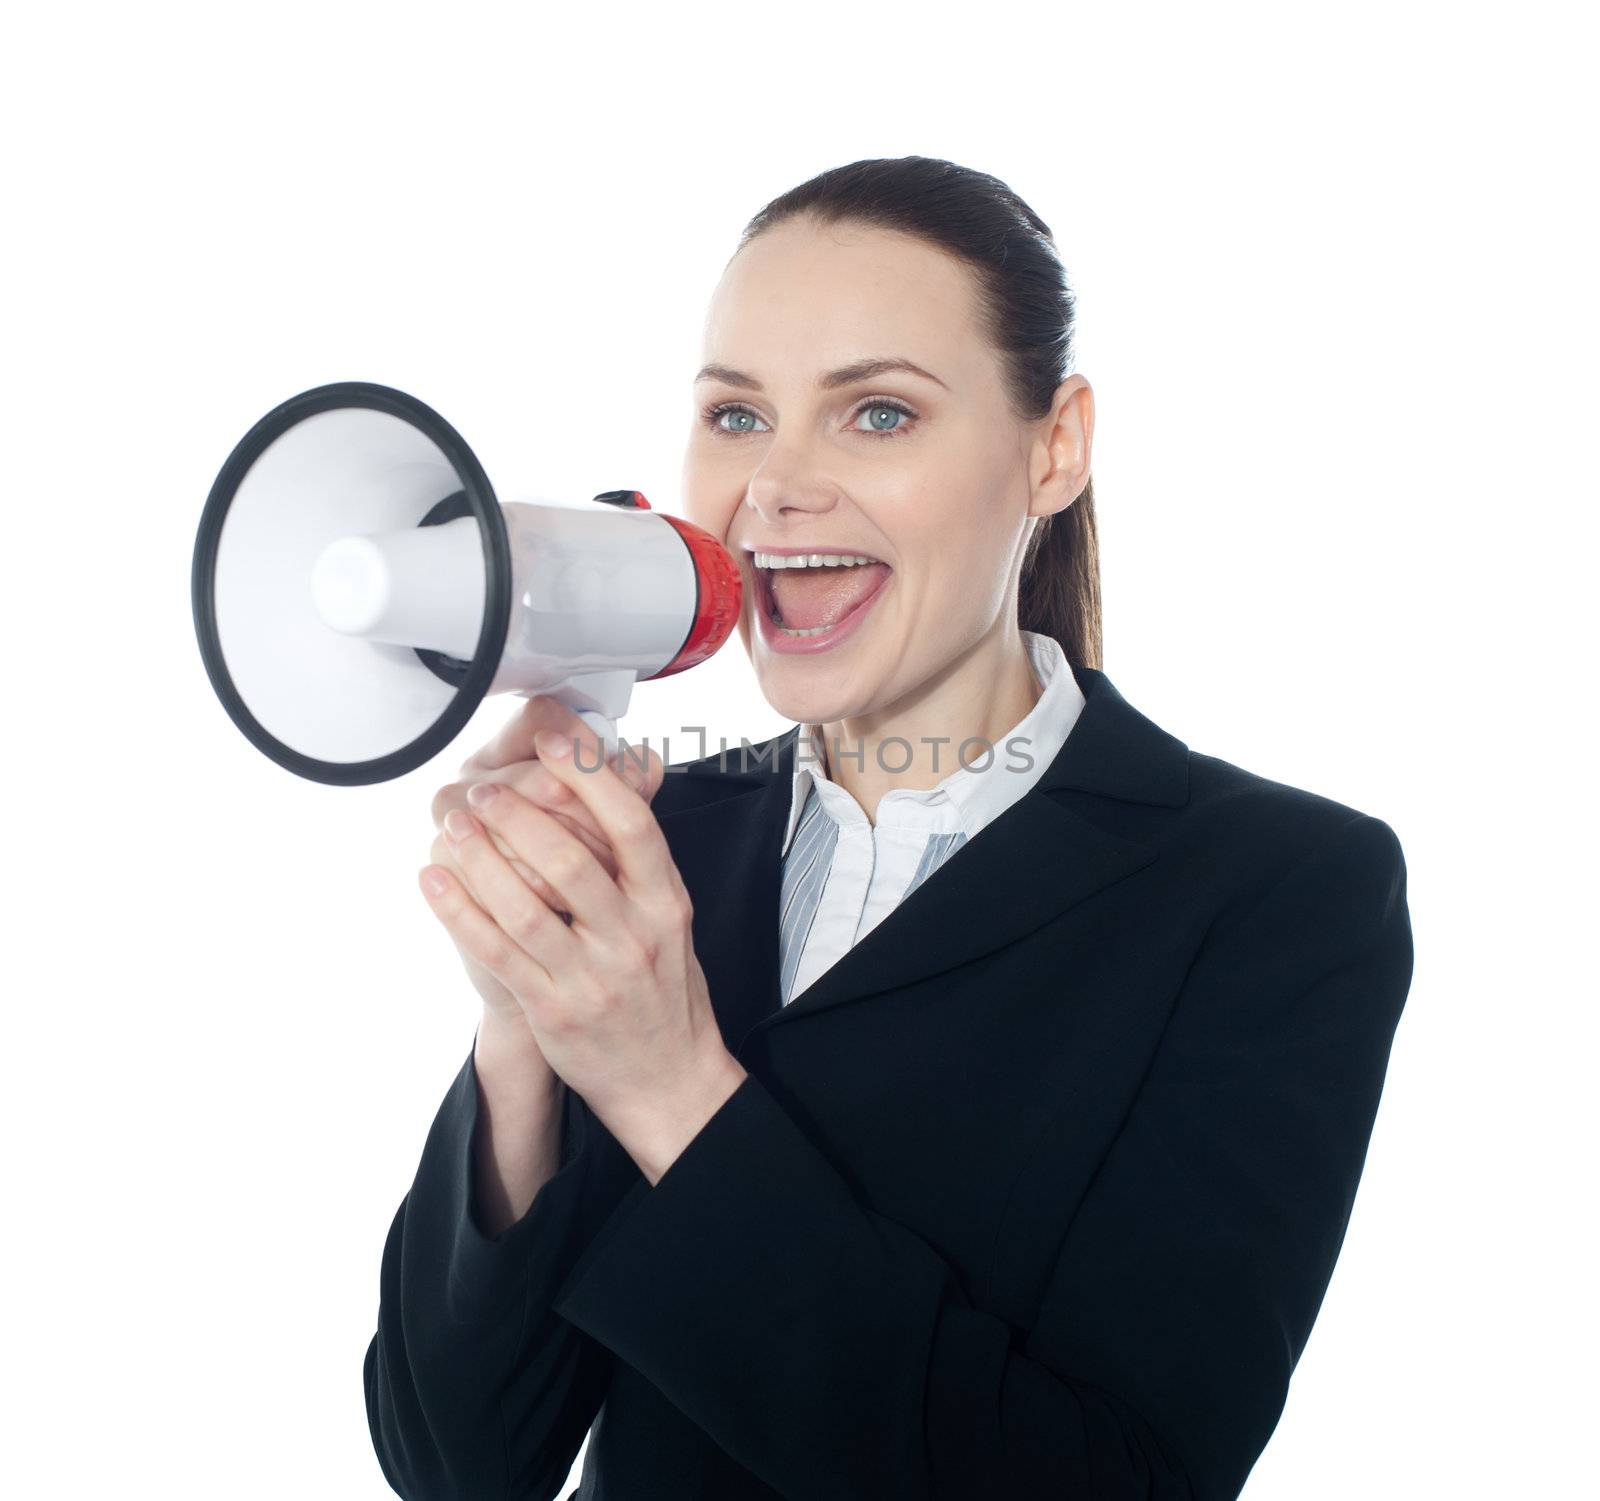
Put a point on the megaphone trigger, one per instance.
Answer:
(623, 498)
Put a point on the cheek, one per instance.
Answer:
(962, 528)
(946, 515)
(707, 499)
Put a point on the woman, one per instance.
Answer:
(999, 1143)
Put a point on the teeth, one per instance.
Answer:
(807, 560)
(810, 560)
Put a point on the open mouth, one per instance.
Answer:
(811, 595)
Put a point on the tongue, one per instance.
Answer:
(809, 597)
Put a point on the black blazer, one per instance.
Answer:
(1034, 1194)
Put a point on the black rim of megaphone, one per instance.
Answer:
(479, 497)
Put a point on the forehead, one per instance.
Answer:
(803, 298)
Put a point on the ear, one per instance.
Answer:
(1059, 464)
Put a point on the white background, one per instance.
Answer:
(1337, 303)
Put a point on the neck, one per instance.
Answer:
(916, 742)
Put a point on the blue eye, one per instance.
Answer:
(885, 406)
(712, 417)
(714, 414)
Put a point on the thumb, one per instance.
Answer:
(514, 742)
(640, 767)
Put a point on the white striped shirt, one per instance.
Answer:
(842, 875)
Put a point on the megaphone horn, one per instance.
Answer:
(358, 590)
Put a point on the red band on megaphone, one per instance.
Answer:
(719, 596)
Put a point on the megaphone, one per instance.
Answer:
(358, 590)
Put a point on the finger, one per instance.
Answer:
(476, 933)
(526, 919)
(541, 887)
(514, 742)
(536, 783)
(585, 888)
(644, 863)
(441, 853)
(637, 765)
(596, 846)
(574, 816)
(640, 767)
(528, 777)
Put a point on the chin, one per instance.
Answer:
(820, 706)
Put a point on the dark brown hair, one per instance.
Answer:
(1029, 312)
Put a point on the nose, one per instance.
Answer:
(787, 490)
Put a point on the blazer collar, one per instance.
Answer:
(1036, 860)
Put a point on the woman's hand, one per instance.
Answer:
(509, 760)
(617, 999)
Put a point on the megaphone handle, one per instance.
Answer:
(603, 726)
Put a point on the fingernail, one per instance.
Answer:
(480, 793)
(459, 825)
(552, 744)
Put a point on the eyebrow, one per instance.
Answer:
(845, 375)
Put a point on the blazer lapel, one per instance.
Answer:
(1036, 860)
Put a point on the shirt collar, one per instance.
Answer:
(970, 797)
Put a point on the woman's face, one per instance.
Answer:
(927, 473)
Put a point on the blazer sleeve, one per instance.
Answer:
(474, 1387)
(833, 1352)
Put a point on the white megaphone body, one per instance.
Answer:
(358, 590)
